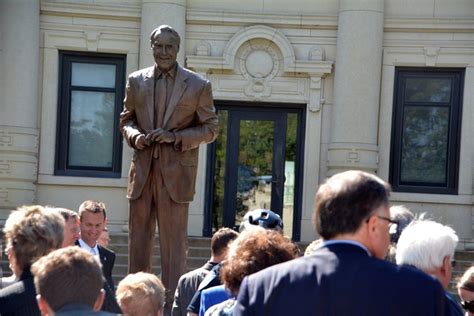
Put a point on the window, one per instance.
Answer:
(426, 130)
(91, 89)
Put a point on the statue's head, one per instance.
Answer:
(164, 41)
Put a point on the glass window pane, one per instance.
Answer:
(93, 75)
(91, 129)
(290, 162)
(424, 145)
(428, 89)
(254, 174)
(221, 143)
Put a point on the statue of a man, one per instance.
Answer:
(168, 112)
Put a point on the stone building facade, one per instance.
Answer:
(383, 86)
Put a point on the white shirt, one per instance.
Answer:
(93, 250)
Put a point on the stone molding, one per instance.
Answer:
(325, 22)
(346, 156)
(18, 165)
(272, 59)
(429, 56)
(98, 10)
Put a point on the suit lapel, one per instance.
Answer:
(149, 83)
(178, 90)
(103, 257)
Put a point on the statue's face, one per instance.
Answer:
(165, 50)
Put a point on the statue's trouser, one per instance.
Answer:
(155, 205)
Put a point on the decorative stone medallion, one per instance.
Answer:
(259, 62)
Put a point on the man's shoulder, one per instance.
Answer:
(304, 269)
(195, 77)
(296, 269)
(141, 72)
(106, 250)
(12, 290)
(108, 253)
(193, 277)
(18, 295)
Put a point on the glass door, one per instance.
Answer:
(254, 164)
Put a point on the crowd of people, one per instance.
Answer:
(370, 260)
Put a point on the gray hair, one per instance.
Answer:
(425, 243)
(165, 29)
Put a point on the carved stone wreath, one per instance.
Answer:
(259, 62)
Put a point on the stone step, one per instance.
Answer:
(199, 251)
(122, 239)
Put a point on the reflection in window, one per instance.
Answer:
(425, 145)
(255, 165)
(428, 89)
(91, 131)
(91, 94)
(93, 75)
(290, 162)
(221, 143)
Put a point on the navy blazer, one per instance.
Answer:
(107, 259)
(340, 279)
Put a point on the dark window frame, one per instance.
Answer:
(66, 58)
(300, 109)
(454, 134)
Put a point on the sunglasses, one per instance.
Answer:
(469, 306)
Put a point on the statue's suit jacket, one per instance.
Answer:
(190, 115)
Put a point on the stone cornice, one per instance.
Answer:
(391, 24)
(220, 17)
(115, 11)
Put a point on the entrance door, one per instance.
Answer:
(255, 163)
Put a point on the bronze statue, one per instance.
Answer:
(168, 112)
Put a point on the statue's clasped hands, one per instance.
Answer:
(158, 135)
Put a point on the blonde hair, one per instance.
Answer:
(141, 294)
(32, 232)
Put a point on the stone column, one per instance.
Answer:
(19, 64)
(154, 14)
(357, 83)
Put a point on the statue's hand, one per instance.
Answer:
(141, 142)
(160, 135)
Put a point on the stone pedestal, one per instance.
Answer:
(355, 115)
(154, 14)
(19, 64)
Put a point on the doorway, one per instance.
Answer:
(256, 162)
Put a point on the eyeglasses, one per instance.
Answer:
(453, 263)
(468, 305)
(391, 221)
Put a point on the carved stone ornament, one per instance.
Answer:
(259, 64)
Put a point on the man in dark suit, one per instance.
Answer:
(93, 219)
(346, 275)
(168, 112)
